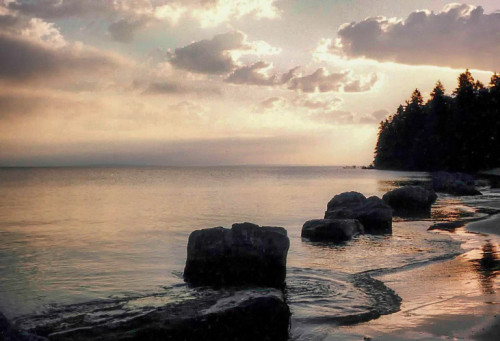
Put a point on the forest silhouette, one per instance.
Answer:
(457, 132)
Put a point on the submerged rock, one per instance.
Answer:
(336, 230)
(246, 254)
(258, 314)
(10, 333)
(409, 200)
(460, 184)
(373, 213)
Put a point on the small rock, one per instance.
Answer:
(335, 230)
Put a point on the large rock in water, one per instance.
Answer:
(373, 213)
(245, 315)
(410, 200)
(335, 230)
(246, 254)
(460, 184)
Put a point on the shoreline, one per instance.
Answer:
(450, 298)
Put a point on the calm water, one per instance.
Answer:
(73, 235)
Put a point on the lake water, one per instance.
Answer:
(77, 235)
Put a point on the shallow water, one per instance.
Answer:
(75, 235)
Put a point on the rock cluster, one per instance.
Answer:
(347, 215)
(373, 213)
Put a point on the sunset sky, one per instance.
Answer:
(224, 82)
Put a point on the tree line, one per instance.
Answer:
(457, 132)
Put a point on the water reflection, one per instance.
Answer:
(420, 179)
(488, 267)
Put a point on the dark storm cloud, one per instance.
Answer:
(209, 56)
(459, 36)
(21, 59)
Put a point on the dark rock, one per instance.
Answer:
(495, 182)
(335, 230)
(373, 213)
(482, 183)
(447, 226)
(258, 314)
(410, 200)
(9, 333)
(459, 184)
(246, 254)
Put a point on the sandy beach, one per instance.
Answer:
(452, 299)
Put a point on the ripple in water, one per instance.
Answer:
(322, 296)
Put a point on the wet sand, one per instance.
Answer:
(452, 299)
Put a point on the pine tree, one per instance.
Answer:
(459, 132)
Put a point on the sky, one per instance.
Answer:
(224, 82)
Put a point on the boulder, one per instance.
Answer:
(10, 333)
(246, 315)
(373, 213)
(246, 254)
(495, 182)
(459, 184)
(409, 200)
(335, 230)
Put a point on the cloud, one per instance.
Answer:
(218, 55)
(357, 85)
(333, 117)
(459, 36)
(219, 11)
(272, 102)
(374, 117)
(286, 77)
(306, 101)
(22, 58)
(319, 81)
(209, 56)
(224, 151)
(254, 74)
(14, 105)
(53, 9)
(124, 30)
(33, 48)
(33, 28)
(206, 12)
(317, 103)
(172, 87)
